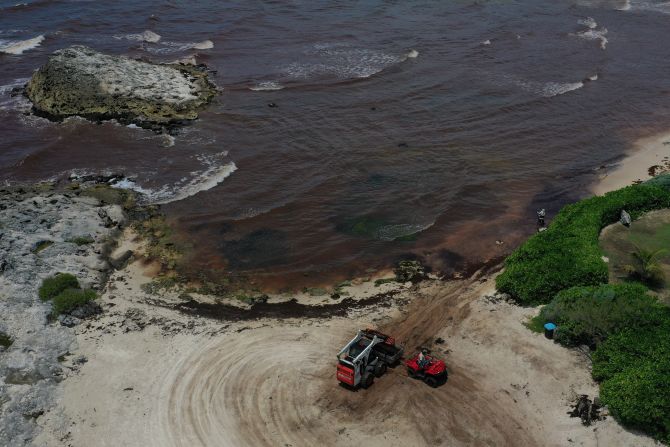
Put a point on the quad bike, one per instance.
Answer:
(434, 372)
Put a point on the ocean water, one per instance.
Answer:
(400, 129)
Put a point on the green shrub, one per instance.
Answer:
(662, 180)
(82, 240)
(54, 285)
(567, 253)
(634, 369)
(587, 315)
(5, 340)
(71, 298)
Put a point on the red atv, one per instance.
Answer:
(434, 372)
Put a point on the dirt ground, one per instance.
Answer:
(175, 379)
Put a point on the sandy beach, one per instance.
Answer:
(649, 156)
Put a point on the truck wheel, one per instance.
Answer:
(367, 380)
(431, 381)
(380, 369)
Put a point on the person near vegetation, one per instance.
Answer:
(541, 226)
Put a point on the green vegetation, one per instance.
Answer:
(634, 369)
(567, 253)
(5, 340)
(56, 284)
(627, 327)
(81, 240)
(42, 245)
(158, 284)
(379, 282)
(110, 195)
(70, 299)
(64, 292)
(161, 243)
(587, 315)
(315, 291)
(646, 266)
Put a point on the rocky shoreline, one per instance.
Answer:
(44, 230)
(84, 228)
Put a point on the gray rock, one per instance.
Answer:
(68, 320)
(86, 310)
(625, 218)
(80, 81)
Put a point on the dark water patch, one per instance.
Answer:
(260, 248)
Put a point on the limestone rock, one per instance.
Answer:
(80, 81)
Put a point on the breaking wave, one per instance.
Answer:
(550, 89)
(12, 101)
(167, 47)
(146, 36)
(344, 62)
(393, 232)
(198, 181)
(592, 32)
(266, 86)
(17, 47)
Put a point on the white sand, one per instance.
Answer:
(646, 152)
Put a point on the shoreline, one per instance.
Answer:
(144, 371)
(647, 156)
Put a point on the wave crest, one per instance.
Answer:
(17, 47)
(199, 181)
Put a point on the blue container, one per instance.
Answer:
(549, 329)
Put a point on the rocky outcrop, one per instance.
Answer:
(31, 365)
(83, 82)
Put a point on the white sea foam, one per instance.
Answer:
(204, 45)
(556, 88)
(592, 32)
(392, 232)
(198, 181)
(168, 140)
(14, 102)
(344, 62)
(168, 47)
(625, 7)
(549, 89)
(266, 86)
(593, 77)
(588, 22)
(486, 42)
(20, 46)
(146, 36)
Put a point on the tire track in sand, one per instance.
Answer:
(275, 386)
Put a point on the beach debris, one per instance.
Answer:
(625, 218)
(79, 81)
(587, 410)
